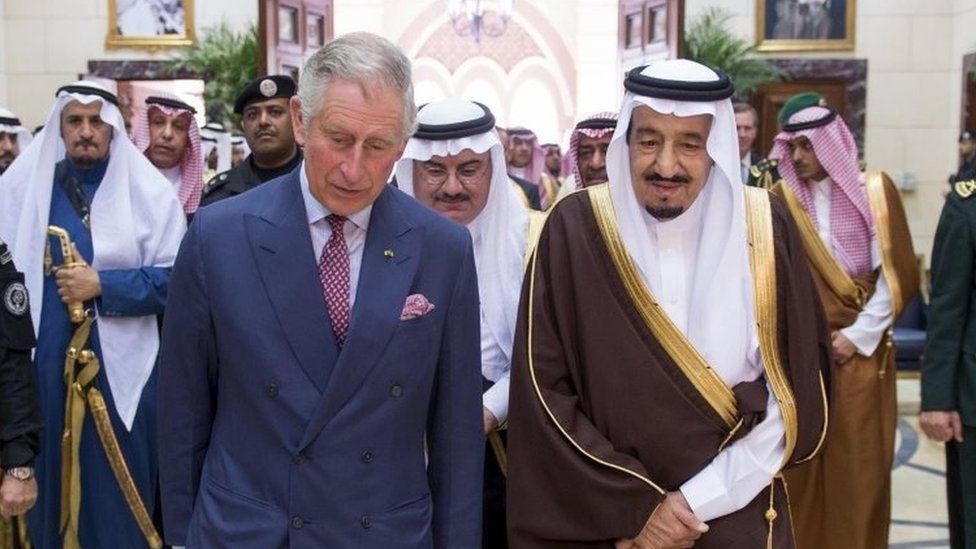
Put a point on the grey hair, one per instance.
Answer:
(363, 58)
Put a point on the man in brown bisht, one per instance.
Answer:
(671, 354)
(856, 237)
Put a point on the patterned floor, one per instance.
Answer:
(919, 518)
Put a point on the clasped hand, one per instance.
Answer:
(672, 524)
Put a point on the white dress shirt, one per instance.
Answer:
(494, 367)
(744, 468)
(745, 163)
(354, 231)
(876, 316)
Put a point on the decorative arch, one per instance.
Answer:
(531, 48)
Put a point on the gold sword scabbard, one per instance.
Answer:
(76, 309)
(103, 424)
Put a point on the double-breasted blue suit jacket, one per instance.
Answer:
(269, 435)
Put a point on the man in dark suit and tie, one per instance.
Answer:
(320, 383)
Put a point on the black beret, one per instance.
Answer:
(265, 87)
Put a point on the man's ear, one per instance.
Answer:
(297, 123)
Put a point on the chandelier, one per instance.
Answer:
(477, 18)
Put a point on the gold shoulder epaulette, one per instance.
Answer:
(965, 189)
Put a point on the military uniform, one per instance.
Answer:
(967, 171)
(243, 177)
(763, 174)
(949, 363)
(20, 418)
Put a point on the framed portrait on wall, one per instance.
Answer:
(150, 23)
(805, 25)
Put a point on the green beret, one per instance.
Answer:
(799, 102)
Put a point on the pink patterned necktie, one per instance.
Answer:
(334, 273)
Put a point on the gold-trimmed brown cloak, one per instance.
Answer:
(842, 498)
(606, 417)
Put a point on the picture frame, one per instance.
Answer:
(150, 24)
(805, 25)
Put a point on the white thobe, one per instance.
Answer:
(876, 316)
(742, 469)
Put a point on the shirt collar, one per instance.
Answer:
(316, 211)
(822, 186)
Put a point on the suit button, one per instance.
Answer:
(271, 390)
(396, 391)
(366, 522)
(367, 457)
(297, 523)
(299, 458)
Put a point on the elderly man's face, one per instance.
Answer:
(455, 186)
(521, 152)
(9, 149)
(268, 130)
(86, 136)
(745, 129)
(591, 158)
(805, 162)
(351, 144)
(669, 164)
(168, 138)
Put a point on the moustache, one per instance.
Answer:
(84, 143)
(7, 157)
(266, 133)
(452, 198)
(595, 174)
(654, 177)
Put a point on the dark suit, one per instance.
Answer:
(949, 362)
(530, 190)
(269, 436)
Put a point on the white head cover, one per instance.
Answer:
(499, 232)
(720, 313)
(9, 123)
(215, 130)
(136, 221)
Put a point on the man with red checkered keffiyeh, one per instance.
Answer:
(585, 162)
(856, 237)
(167, 133)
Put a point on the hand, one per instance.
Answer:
(79, 283)
(941, 426)
(672, 524)
(844, 349)
(491, 422)
(17, 496)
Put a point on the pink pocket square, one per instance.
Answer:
(415, 306)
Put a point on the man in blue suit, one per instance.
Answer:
(320, 383)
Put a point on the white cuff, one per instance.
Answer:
(873, 320)
(496, 398)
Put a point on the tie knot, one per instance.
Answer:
(336, 222)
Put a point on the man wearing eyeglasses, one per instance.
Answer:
(455, 165)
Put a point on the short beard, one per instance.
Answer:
(664, 212)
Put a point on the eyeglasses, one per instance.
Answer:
(467, 174)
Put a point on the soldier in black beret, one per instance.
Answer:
(967, 154)
(266, 122)
(20, 418)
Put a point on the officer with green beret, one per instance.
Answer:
(799, 102)
(266, 121)
(949, 364)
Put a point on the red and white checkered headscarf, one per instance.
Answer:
(532, 171)
(191, 167)
(570, 159)
(851, 220)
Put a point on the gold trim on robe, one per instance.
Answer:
(545, 405)
(820, 257)
(688, 359)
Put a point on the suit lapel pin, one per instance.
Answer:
(388, 254)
